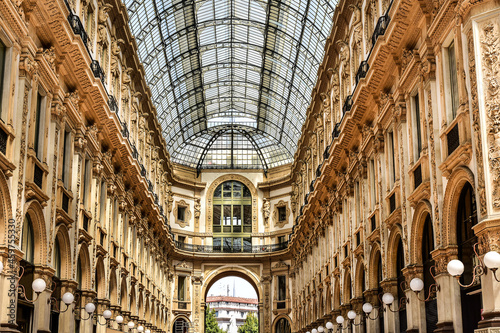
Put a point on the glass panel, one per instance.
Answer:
(247, 244)
(237, 244)
(227, 244)
(281, 287)
(246, 192)
(217, 192)
(247, 218)
(217, 244)
(238, 81)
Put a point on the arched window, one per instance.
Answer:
(28, 243)
(427, 261)
(25, 308)
(232, 217)
(400, 264)
(471, 296)
(57, 259)
(283, 326)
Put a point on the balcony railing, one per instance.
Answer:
(347, 104)
(362, 70)
(336, 131)
(113, 105)
(382, 24)
(231, 248)
(326, 153)
(78, 28)
(318, 170)
(97, 70)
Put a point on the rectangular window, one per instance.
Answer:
(281, 239)
(372, 183)
(281, 288)
(39, 117)
(282, 213)
(102, 202)
(181, 239)
(452, 67)
(86, 184)
(392, 159)
(417, 127)
(181, 212)
(358, 201)
(3, 55)
(66, 158)
(181, 287)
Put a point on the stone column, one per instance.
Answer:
(372, 321)
(41, 313)
(391, 316)
(67, 314)
(8, 279)
(415, 309)
(86, 325)
(448, 298)
(489, 240)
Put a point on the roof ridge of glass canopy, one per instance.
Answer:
(231, 79)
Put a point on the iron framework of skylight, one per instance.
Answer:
(231, 73)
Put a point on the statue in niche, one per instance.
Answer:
(197, 211)
(115, 53)
(266, 211)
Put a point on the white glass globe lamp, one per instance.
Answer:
(38, 285)
(140, 328)
(416, 284)
(455, 267)
(68, 298)
(106, 314)
(339, 320)
(314, 330)
(367, 308)
(351, 314)
(119, 319)
(387, 298)
(90, 308)
(130, 324)
(492, 260)
(329, 325)
(321, 329)
(147, 331)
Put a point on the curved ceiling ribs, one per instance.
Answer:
(231, 79)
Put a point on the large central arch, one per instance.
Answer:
(213, 275)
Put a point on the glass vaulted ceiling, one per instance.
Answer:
(231, 79)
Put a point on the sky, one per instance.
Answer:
(238, 287)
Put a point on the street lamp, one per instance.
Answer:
(491, 261)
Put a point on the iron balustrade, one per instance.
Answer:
(318, 170)
(125, 132)
(362, 70)
(97, 70)
(347, 104)
(113, 105)
(326, 153)
(231, 248)
(143, 170)
(336, 131)
(306, 199)
(78, 29)
(380, 28)
(135, 153)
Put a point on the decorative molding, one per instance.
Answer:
(187, 213)
(276, 221)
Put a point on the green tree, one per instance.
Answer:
(251, 325)
(211, 322)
